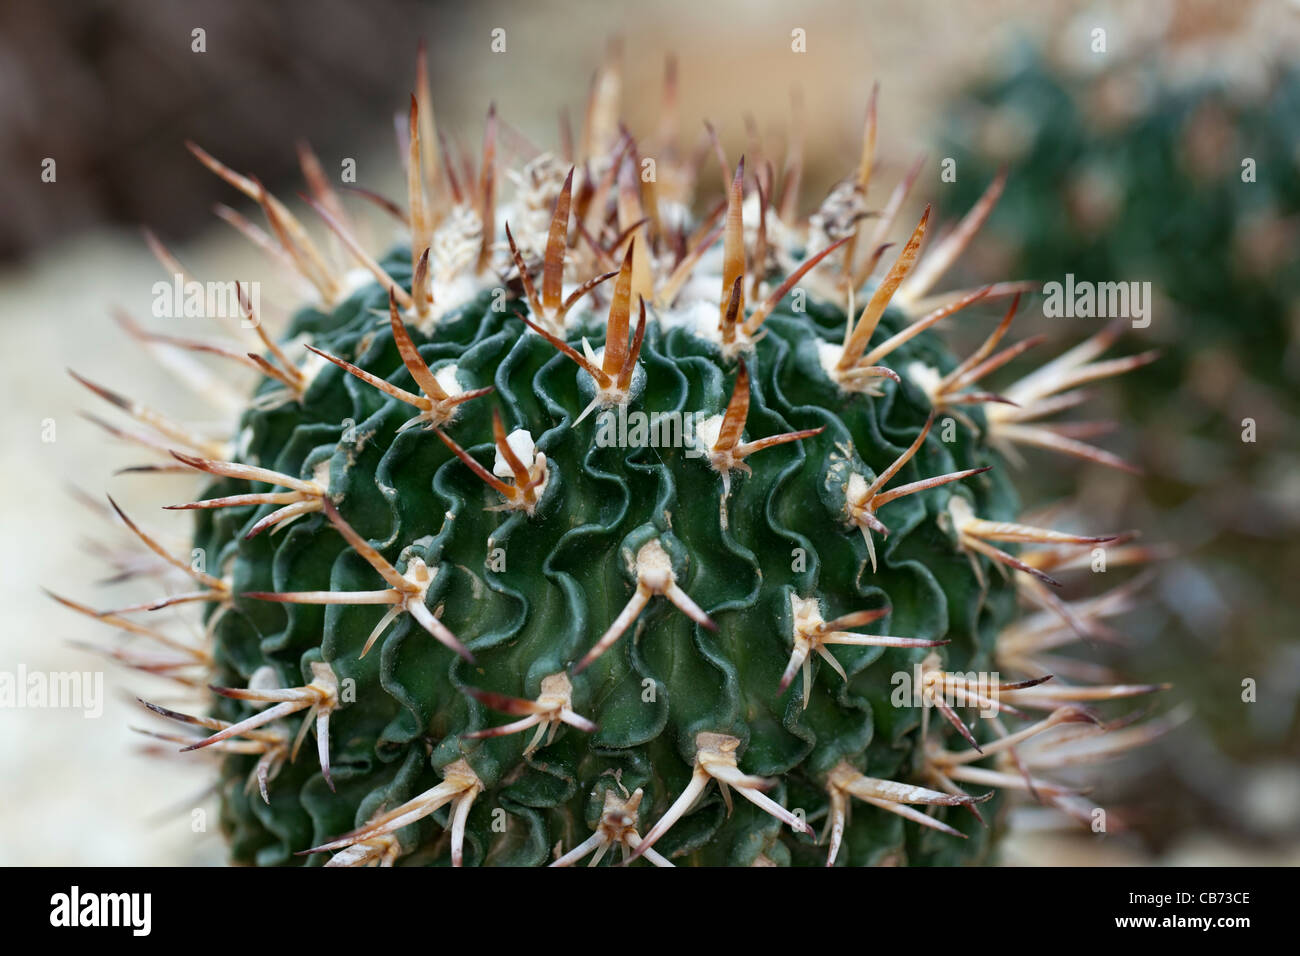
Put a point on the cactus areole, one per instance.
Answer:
(595, 524)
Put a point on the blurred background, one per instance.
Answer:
(1124, 165)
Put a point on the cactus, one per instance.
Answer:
(1104, 165)
(578, 516)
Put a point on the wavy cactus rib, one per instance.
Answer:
(522, 631)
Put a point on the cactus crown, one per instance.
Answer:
(579, 515)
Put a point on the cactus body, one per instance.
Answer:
(528, 593)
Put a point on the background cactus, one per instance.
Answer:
(1136, 173)
(514, 642)
(1104, 164)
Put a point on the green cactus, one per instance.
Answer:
(522, 627)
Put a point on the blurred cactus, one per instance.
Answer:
(1119, 176)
